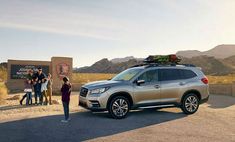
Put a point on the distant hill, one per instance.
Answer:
(120, 60)
(217, 61)
(210, 65)
(106, 66)
(230, 61)
(220, 51)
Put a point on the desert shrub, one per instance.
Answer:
(3, 92)
(83, 78)
(226, 79)
(3, 74)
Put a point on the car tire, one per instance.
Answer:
(190, 103)
(119, 107)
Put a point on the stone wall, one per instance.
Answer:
(222, 89)
(16, 85)
(58, 67)
(61, 67)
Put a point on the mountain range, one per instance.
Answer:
(220, 52)
(217, 61)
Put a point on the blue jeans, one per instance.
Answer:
(66, 110)
(29, 98)
(37, 95)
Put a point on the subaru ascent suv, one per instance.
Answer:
(147, 85)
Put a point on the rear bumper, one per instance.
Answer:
(204, 100)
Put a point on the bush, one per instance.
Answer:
(3, 74)
(3, 92)
(83, 78)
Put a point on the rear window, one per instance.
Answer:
(175, 74)
(187, 74)
(169, 74)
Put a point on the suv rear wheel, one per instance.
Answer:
(190, 103)
(119, 107)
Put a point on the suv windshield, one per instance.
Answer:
(127, 74)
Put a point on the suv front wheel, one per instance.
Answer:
(190, 104)
(119, 107)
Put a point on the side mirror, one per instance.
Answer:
(139, 82)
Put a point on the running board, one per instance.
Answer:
(158, 106)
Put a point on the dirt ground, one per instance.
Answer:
(214, 122)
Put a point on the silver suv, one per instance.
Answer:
(147, 86)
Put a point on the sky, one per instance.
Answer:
(89, 30)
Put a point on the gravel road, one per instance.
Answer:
(214, 122)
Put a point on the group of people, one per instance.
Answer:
(41, 85)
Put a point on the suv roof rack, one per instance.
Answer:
(163, 60)
(147, 65)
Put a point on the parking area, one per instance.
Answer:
(215, 121)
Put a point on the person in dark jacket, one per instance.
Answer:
(37, 90)
(41, 76)
(66, 91)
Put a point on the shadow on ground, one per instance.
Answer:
(11, 107)
(83, 126)
(220, 101)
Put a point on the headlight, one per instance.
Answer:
(99, 90)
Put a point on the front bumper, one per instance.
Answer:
(93, 105)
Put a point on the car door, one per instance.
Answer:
(149, 91)
(171, 84)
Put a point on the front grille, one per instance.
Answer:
(83, 92)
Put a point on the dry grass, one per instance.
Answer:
(83, 78)
(3, 74)
(3, 88)
(228, 79)
(3, 92)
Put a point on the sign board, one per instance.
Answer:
(62, 70)
(20, 71)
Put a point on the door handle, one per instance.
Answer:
(157, 86)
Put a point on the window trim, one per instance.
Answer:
(179, 71)
(137, 78)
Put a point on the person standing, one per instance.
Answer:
(49, 88)
(29, 77)
(66, 91)
(28, 90)
(37, 90)
(44, 91)
(40, 75)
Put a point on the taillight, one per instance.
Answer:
(205, 80)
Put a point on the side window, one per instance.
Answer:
(169, 74)
(149, 76)
(187, 74)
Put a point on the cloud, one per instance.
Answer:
(52, 30)
(56, 19)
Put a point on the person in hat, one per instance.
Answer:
(66, 91)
